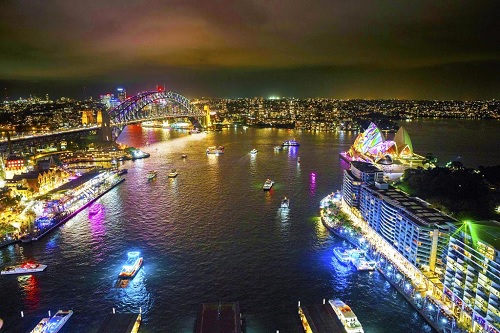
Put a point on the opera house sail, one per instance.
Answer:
(391, 156)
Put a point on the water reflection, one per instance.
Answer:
(30, 287)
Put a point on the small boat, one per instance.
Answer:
(277, 148)
(285, 203)
(132, 266)
(253, 151)
(172, 174)
(215, 150)
(94, 209)
(289, 143)
(24, 269)
(53, 324)
(342, 256)
(184, 156)
(122, 171)
(346, 316)
(152, 174)
(268, 185)
(360, 261)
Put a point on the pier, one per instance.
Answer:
(319, 318)
(121, 323)
(219, 317)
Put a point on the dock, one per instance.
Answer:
(121, 323)
(319, 318)
(219, 317)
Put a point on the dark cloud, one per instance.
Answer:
(339, 48)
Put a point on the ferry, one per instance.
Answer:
(253, 151)
(172, 174)
(342, 256)
(277, 148)
(215, 150)
(285, 203)
(268, 185)
(152, 174)
(184, 156)
(346, 316)
(24, 269)
(53, 324)
(289, 143)
(132, 266)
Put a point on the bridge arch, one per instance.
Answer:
(133, 108)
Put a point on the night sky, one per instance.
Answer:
(427, 49)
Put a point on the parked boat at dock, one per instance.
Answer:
(342, 256)
(346, 316)
(53, 324)
(215, 150)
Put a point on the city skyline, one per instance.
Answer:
(332, 49)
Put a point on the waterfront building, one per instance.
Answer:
(359, 173)
(416, 230)
(472, 279)
(14, 165)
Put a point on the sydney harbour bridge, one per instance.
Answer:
(145, 106)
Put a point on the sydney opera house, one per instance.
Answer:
(391, 156)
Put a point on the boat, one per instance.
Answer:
(289, 143)
(268, 185)
(152, 174)
(285, 203)
(342, 256)
(253, 151)
(346, 316)
(184, 156)
(277, 148)
(53, 324)
(94, 209)
(24, 269)
(215, 150)
(172, 174)
(132, 266)
(122, 171)
(360, 261)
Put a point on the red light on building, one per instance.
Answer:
(160, 88)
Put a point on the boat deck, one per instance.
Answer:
(219, 317)
(320, 318)
(120, 323)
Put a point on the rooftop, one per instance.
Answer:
(219, 317)
(414, 208)
(486, 231)
(321, 318)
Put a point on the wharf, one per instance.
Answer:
(219, 317)
(121, 323)
(320, 318)
(20, 324)
(419, 311)
(72, 214)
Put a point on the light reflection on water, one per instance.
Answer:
(210, 234)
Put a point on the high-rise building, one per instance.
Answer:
(122, 94)
(420, 233)
(360, 173)
(472, 279)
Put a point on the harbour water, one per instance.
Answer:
(212, 234)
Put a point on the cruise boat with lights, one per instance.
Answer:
(152, 174)
(172, 174)
(53, 324)
(24, 269)
(215, 150)
(346, 316)
(268, 185)
(285, 203)
(342, 256)
(253, 151)
(132, 266)
(290, 143)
